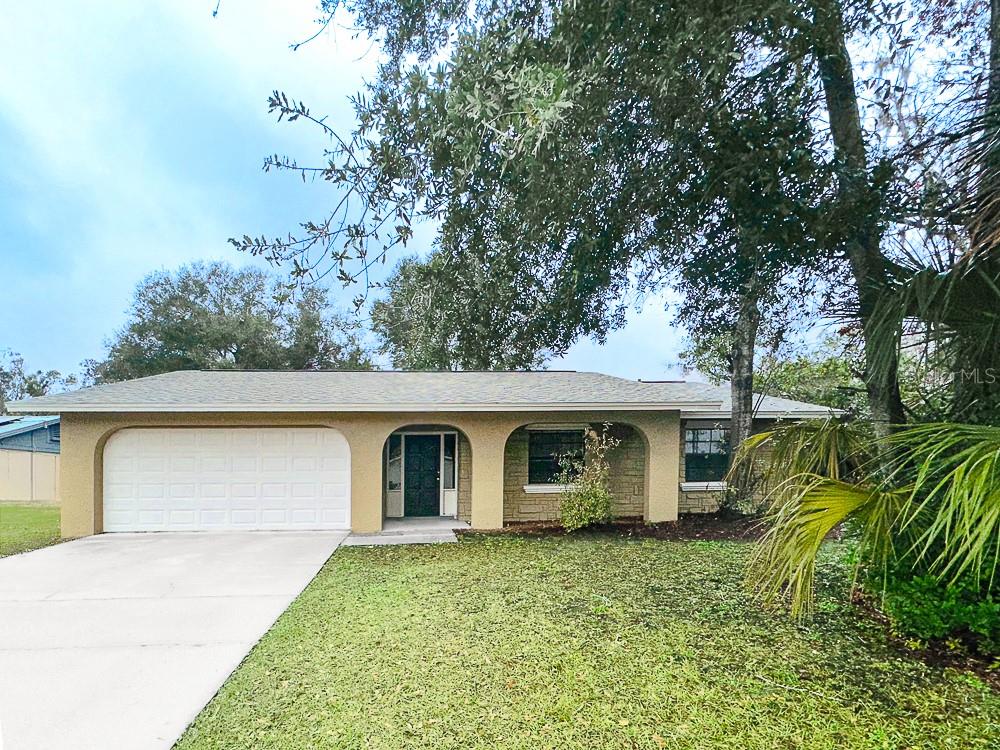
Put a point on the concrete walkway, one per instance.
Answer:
(119, 640)
(412, 530)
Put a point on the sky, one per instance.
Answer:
(131, 140)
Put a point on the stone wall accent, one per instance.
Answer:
(627, 465)
(464, 478)
(709, 502)
(695, 502)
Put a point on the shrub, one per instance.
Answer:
(928, 608)
(587, 499)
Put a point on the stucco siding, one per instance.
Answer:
(481, 456)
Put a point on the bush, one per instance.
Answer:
(588, 499)
(927, 608)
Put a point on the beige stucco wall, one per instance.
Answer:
(29, 477)
(85, 435)
(627, 475)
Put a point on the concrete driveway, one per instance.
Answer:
(117, 641)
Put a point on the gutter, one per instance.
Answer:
(22, 407)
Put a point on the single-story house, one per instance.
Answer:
(199, 450)
(29, 459)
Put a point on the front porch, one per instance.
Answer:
(412, 530)
(427, 473)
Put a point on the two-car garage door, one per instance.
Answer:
(198, 479)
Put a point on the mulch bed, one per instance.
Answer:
(936, 652)
(704, 527)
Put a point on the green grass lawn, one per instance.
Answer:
(591, 642)
(27, 527)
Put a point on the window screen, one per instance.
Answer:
(546, 448)
(394, 464)
(706, 454)
(450, 453)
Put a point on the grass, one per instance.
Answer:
(591, 642)
(27, 527)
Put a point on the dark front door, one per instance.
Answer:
(422, 475)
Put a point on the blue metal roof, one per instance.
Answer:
(25, 424)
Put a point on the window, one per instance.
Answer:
(546, 448)
(706, 454)
(394, 463)
(54, 433)
(448, 478)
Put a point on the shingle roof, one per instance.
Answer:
(765, 407)
(243, 390)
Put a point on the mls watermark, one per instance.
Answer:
(976, 375)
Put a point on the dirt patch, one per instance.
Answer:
(706, 527)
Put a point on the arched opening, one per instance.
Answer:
(427, 473)
(532, 491)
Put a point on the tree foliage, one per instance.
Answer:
(18, 383)
(486, 312)
(213, 316)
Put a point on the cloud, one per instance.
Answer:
(131, 139)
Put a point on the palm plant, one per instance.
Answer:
(926, 496)
(934, 502)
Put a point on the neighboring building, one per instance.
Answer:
(29, 459)
(196, 450)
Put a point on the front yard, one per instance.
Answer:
(27, 527)
(589, 642)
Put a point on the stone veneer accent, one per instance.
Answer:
(708, 502)
(627, 478)
(464, 478)
(695, 502)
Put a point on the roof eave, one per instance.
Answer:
(20, 430)
(772, 414)
(28, 406)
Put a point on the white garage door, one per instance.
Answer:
(193, 479)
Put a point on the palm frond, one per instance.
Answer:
(783, 566)
(954, 504)
(959, 310)
(823, 447)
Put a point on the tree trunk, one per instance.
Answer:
(868, 264)
(741, 385)
(975, 389)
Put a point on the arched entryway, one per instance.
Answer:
(427, 473)
(531, 489)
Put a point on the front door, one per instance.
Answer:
(422, 475)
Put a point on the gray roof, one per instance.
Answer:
(765, 407)
(250, 390)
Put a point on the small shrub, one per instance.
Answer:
(928, 608)
(588, 499)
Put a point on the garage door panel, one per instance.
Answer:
(219, 478)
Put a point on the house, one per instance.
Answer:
(197, 450)
(29, 459)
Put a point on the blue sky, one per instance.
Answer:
(131, 139)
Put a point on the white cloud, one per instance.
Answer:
(131, 139)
